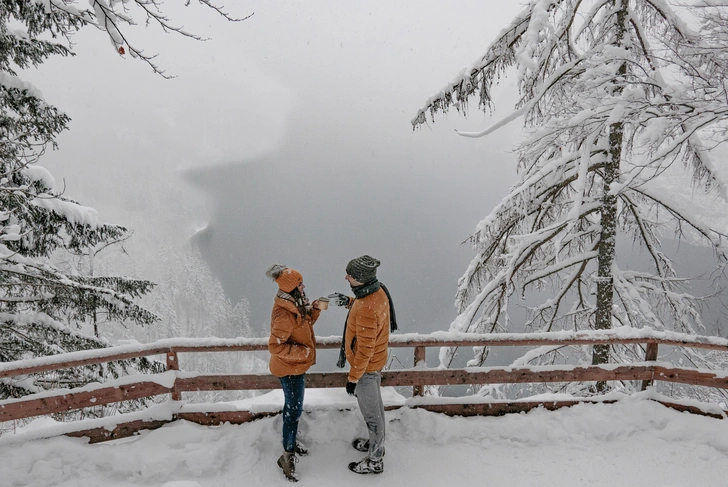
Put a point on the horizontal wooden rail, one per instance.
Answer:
(407, 340)
(30, 406)
(60, 401)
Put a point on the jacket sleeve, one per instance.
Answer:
(279, 343)
(365, 323)
(315, 313)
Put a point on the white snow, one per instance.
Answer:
(39, 173)
(73, 212)
(634, 442)
(9, 81)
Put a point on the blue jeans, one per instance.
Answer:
(293, 389)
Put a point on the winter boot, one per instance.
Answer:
(301, 449)
(367, 465)
(362, 445)
(287, 462)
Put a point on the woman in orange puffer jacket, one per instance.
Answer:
(292, 349)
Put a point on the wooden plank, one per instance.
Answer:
(514, 375)
(101, 359)
(96, 435)
(228, 382)
(420, 356)
(527, 340)
(651, 352)
(26, 408)
(495, 408)
(694, 377)
(502, 408)
(219, 417)
(692, 409)
(250, 382)
(173, 364)
(326, 379)
(413, 377)
(15, 409)
(397, 341)
(650, 356)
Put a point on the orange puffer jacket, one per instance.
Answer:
(367, 334)
(291, 344)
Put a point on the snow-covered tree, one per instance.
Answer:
(86, 262)
(608, 110)
(191, 302)
(39, 301)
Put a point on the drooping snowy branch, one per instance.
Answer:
(602, 128)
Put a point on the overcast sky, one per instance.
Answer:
(295, 74)
(288, 137)
(293, 128)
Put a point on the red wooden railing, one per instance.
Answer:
(176, 383)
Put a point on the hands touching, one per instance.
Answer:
(338, 299)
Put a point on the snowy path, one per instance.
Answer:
(631, 443)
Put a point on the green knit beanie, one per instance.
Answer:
(363, 269)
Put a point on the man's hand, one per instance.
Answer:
(350, 388)
(338, 299)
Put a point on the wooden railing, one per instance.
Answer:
(176, 382)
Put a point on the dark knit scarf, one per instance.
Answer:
(361, 292)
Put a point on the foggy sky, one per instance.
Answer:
(288, 137)
(293, 129)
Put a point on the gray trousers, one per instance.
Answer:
(369, 397)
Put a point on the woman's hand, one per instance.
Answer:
(315, 304)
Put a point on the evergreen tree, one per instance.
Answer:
(39, 302)
(603, 125)
(192, 303)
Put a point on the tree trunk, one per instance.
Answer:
(606, 249)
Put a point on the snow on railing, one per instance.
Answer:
(176, 382)
(620, 335)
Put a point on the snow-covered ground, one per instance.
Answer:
(634, 442)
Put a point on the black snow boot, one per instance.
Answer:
(367, 465)
(362, 445)
(301, 449)
(287, 462)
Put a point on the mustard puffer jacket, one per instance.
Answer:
(291, 344)
(367, 334)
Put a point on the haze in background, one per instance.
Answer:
(293, 130)
(287, 138)
(351, 177)
(317, 215)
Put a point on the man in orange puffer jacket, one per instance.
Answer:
(365, 346)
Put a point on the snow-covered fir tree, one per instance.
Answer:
(608, 108)
(191, 302)
(41, 304)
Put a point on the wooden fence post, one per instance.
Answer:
(650, 356)
(173, 364)
(419, 390)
